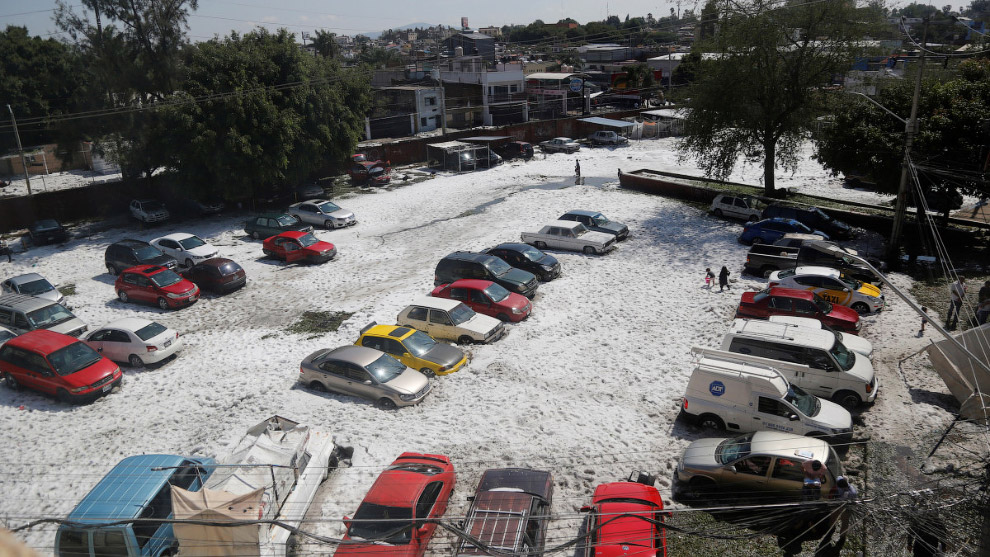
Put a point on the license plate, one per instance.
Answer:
(107, 387)
(168, 343)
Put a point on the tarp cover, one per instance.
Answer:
(198, 540)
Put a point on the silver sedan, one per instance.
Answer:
(560, 145)
(366, 373)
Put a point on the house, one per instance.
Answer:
(552, 94)
(479, 93)
(408, 110)
(471, 44)
(493, 32)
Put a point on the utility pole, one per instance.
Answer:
(910, 129)
(20, 149)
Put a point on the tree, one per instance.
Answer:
(325, 44)
(759, 95)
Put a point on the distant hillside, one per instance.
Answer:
(420, 25)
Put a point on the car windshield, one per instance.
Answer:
(191, 242)
(825, 307)
(496, 292)
(150, 330)
(307, 240)
(152, 206)
(46, 224)
(419, 343)
(328, 207)
(733, 449)
(165, 278)
(532, 253)
(460, 314)
(386, 368)
(843, 355)
(381, 523)
(35, 287)
(147, 252)
(417, 467)
(851, 283)
(497, 266)
(809, 405)
(580, 229)
(229, 268)
(49, 316)
(73, 358)
(287, 220)
(600, 219)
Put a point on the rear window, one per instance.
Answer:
(229, 268)
(150, 331)
(73, 543)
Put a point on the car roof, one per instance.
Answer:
(217, 262)
(474, 284)
(469, 256)
(516, 480)
(295, 234)
(42, 340)
(26, 278)
(360, 355)
(564, 138)
(816, 270)
(436, 303)
(397, 332)
(788, 445)
(402, 486)
(175, 236)
(583, 213)
(514, 246)
(128, 324)
(316, 201)
(626, 490)
(131, 242)
(783, 332)
(564, 223)
(792, 293)
(24, 302)
(273, 214)
(146, 270)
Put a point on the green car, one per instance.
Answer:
(270, 224)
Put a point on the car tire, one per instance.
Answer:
(766, 271)
(163, 303)
(429, 373)
(503, 318)
(63, 396)
(123, 296)
(11, 382)
(711, 422)
(318, 387)
(861, 308)
(112, 270)
(329, 225)
(268, 252)
(189, 263)
(255, 235)
(135, 361)
(464, 339)
(717, 213)
(588, 250)
(847, 399)
(387, 404)
(540, 245)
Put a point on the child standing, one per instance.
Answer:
(709, 277)
(924, 321)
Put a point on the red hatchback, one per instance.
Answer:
(299, 246)
(799, 303)
(486, 298)
(626, 519)
(154, 284)
(413, 491)
(58, 365)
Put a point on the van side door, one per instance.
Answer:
(773, 414)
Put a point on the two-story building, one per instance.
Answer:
(406, 110)
(479, 93)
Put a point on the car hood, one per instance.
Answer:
(842, 313)
(181, 287)
(52, 295)
(547, 260)
(515, 301)
(319, 247)
(444, 354)
(203, 251)
(480, 324)
(594, 236)
(869, 290)
(613, 227)
(859, 345)
(68, 326)
(517, 276)
(409, 382)
(341, 214)
(162, 260)
(862, 368)
(91, 374)
(701, 454)
(833, 416)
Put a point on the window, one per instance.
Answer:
(427, 499)
(333, 367)
(5, 317)
(754, 465)
(355, 373)
(513, 88)
(479, 297)
(783, 304)
(99, 336)
(459, 294)
(118, 336)
(430, 101)
(143, 282)
(74, 543)
(261, 221)
(804, 306)
(739, 202)
(417, 314)
(129, 278)
(785, 353)
(392, 346)
(439, 317)
(373, 342)
(774, 407)
(787, 469)
(159, 507)
(422, 122)
(20, 321)
(186, 476)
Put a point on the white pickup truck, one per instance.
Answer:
(570, 235)
(149, 210)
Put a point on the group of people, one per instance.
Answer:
(723, 278)
(957, 293)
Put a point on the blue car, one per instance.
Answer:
(137, 487)
(768, 231)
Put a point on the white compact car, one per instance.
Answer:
(449, 319)
(134, 340)
(187, 249)
(738, 206)
(322, 213)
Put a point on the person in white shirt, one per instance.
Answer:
(957, 292)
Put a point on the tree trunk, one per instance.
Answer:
(769, 156)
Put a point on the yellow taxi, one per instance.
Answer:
(414, 348)
(833, 286)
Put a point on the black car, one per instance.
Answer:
(516, 149)
(219, 274)
(128, 252)
(492, 159)
(483, 266)
(528, 258)
(812, 217)
(47, 231)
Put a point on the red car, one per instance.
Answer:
(799, 303)
(299, 246)
(218, 274)
(58, 365)
(154, 284)
(376, 172)
(486, 298)
(625, 520)
(413, 491)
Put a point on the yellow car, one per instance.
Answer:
(414, 348)
(833, 286)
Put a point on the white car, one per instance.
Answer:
(187, 249)
(137, 341)
(322, 213)
(570, 235)
(149, 210)
(33, 284)
(742, 207)
(6, 334)
(449, 319)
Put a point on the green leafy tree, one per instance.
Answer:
(325, 44)
(760, 94)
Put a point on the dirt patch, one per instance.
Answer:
(316, 323)
(67, 289)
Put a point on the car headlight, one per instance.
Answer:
(407, 398)
(175, 296)
(516, 311)
(78, 389)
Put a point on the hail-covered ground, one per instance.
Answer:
(588, 387)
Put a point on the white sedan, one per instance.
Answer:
(134, 340)
(187, 249)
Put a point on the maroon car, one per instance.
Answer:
(486, 298)
(154, 284)
(218, 274)
(373, 172)
(798, 303)
(299, 246)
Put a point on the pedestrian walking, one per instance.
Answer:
(723, 279)
(844, 491)
(814, 471)
(709, 278)
(924, 321)
(983, 309)
(957, 292)
(5, 250)
(577, 168)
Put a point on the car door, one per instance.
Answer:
(309, 213)
(45, 378)
(97, 341)
(835, 291)
(774, 415)
(170, 247)
(805, 308)
(427, 507)
(117, 345)
(746, 474)
(780, 305)
(480, 303)
(8, 287)
(293, 251)
(440, 324)
(740, 208)
(360, 383)
(333, 375)
(786, 476)
(144, 289)
(823, 376)
(16, 363)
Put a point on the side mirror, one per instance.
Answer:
(794, 417)
(845, 290)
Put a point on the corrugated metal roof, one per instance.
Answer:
(608, 122)
(550, 75)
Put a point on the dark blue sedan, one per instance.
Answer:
(768, 231)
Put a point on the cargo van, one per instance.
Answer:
(855, 343)
(727, 393)
(812, 359)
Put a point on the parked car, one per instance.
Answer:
(833, 286)
(625, 519)
(597, 222)
(487, 298)
(607, 138)
(270, 224)
(295, 247)
(488, 159)
(798, 239)
(57, 365)
(373, 173)
(451, 320)
(415, 488)
(855, 343)
(154, 284)
(137, 341)
(219, 275)
(149, 210)
(510, 510)
(33, 284)
(130, 253)
(812, 217)
(47, 231)
(413, 348)
(322, 213)
(469, 265)
(516, 149)
(768, 231)
(365, 373)
(800, 303)
(761, 464)
(139, 487)
(569, 235)
(560, 145)
(764, 259)
(187, 248)
(527, 258)
(738, 206)
(5, 335)
(192, 207)
(21, 313)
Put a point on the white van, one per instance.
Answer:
(855, 343)
(812, 359)
(727, 393)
